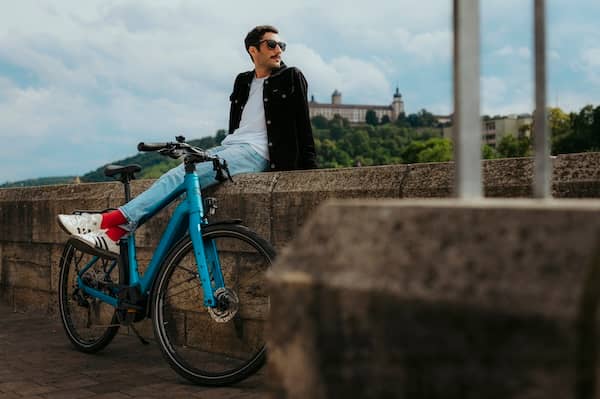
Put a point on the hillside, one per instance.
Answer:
(153, 165)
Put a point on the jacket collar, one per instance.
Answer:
(250, 74)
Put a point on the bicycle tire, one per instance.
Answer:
(195, 345)
(89, 323)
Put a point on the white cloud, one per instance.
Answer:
(571, 101)
(502, 96)
(590, 63)
(524, 52)
(493, 87)
(358, 80)
(510, 51)
(93, 73)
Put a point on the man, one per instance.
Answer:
(269, 130)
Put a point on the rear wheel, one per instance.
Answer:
(89, 323)
(214, 346)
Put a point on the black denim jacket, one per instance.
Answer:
(290, 138)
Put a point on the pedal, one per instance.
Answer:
(131, 305)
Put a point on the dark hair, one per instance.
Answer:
(255, 35)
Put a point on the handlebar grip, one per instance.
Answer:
(151, 146)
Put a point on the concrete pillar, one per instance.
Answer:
(439, 299)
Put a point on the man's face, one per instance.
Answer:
(265, 57)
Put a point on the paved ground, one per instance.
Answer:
(37, 361)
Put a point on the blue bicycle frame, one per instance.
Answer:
(188, 216)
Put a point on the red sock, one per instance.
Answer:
(112, 219)
(115, 233)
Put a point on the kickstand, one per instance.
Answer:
(135, 331)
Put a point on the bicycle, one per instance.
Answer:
(203, 288)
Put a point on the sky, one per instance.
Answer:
(82, 82)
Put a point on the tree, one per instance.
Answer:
(371, 118)
(488, 152)
(385, 119)
(436, 150)
(423, 118)
(220, 135)
(561, 130)
(586, 126)
(401, 121)
(510, 147)
(427, 118)
(338, 127)
(319, 122)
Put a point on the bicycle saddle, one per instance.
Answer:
(111, 170)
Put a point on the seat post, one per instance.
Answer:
(126, 177)
(127, 188)
(124, 174)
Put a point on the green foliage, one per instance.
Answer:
(158, 169)
(423, 118)
(371, 118)
(510, 146)
(402, 121)
(320, 122)
(42, 181)
(436, 150)
(342, 145)
(576, 132)
(153, 164)
(409, 139)
(488, 152)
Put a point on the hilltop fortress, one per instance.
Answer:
(353, 112)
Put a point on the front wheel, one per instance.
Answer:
(211, 346)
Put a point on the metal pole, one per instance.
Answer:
(467, 121)
(542, 163)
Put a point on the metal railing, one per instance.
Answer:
(467, 119)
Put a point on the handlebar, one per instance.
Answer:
(192, 155)
(147, 147)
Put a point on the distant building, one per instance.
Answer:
(356, 113)
(493, 129)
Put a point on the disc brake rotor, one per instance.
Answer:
(227, 305)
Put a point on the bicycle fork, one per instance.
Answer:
(207, 260)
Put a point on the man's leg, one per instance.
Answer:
(240, 158)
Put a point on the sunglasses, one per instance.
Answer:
(272, 44)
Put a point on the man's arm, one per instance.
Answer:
(233, 106)
(305, 139)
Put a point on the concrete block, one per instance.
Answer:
(7, 294)
(511, 177)
(16, 214)
(30, 300)
(439, 299)
(248, 198)
(575, 167)
(429, 180)
(25, 265)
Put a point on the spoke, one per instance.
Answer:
(194, 276)
(185, 290)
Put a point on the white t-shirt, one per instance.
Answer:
(253, 128)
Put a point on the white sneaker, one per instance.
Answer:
(80, 224)
(97, 243)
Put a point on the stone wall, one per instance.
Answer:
(273, 204)
(439, 298)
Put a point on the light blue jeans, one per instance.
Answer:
(241, 158)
